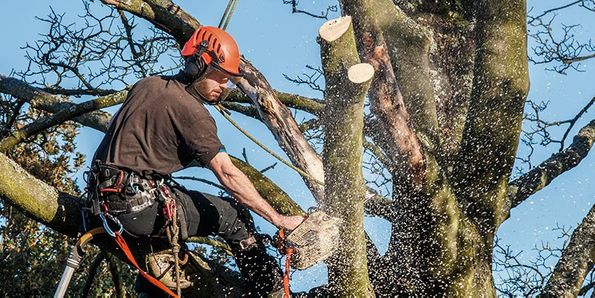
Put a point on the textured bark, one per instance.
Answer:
(306, 104)
(576, 262)
(542, 175)
(343, 148)
(279, 120)
(60, 117)
(51, 103)
(395, 134)
(408, 46)
(37, 200)
(493, 126)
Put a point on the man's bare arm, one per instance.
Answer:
(240, 187)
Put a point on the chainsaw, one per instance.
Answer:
(313, 241)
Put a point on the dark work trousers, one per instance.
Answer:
(208, 215)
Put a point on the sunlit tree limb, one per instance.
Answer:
(541, 176)
(576, 261)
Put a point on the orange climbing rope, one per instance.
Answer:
(287, 250)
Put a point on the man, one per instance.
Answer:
(162, 127)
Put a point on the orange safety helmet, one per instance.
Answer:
(220, 49)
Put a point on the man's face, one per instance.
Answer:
(212, 84)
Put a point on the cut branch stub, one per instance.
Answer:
(360, 73)
(347, 83)
(333, 29)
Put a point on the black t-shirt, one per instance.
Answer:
(160, 129)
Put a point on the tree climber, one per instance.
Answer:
(162, 127)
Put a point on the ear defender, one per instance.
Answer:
(194, 67)
(195, 64)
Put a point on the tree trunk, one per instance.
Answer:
(347, 83)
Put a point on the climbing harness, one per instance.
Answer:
(105, 181)
(128, 253)
(227, 115)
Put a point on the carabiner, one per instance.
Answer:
(106, 226)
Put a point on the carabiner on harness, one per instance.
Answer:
(104, 217)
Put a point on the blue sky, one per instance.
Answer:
(279, 42)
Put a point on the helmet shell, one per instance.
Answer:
(222, 51)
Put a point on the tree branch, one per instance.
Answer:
(60, 117)
(492, 129)
(377, 205)
(408, 45)
(39, 201)
(50, 103)
(541, 176)
(395, 134)
(576, 262)
(164, 14)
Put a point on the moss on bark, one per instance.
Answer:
(342, 155)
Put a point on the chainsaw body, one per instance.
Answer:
(314, 240)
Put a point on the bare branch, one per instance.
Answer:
(310, 105)
(60, 117)
(545, 12)
(322, 15)
(50, 103)
(563, 49)
(576, 261)
(541, 176)
(310, 80)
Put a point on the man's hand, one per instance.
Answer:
(289, 222)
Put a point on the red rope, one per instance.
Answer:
(122, 244)
(283, 248)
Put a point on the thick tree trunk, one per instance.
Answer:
(347, 83)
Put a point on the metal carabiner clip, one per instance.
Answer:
(106, 226)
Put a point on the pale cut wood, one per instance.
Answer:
(360, 73)
(335, 28)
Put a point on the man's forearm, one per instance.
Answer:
(240, 187)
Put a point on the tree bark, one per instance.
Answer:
(542, 175)
(493, 126)
(395, 134)
(347, 83)
(37, 200)
(60, 117)
(51, 103)
(576, 262)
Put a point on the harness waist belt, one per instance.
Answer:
(124, 191)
